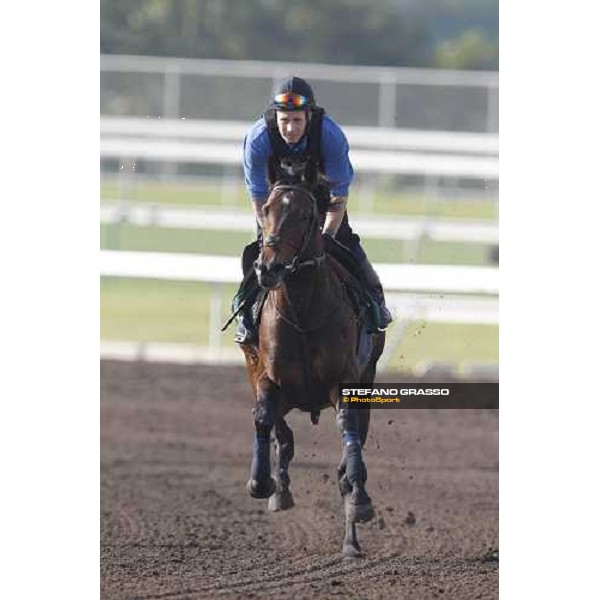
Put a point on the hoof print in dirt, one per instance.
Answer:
(411, 519)
(491, 555)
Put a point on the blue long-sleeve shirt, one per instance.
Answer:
(334, 152)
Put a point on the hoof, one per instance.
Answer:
(359, 508)
(360, 513)
(350, 550)
(281, 501)
(261, 489)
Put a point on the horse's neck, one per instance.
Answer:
(308, 292)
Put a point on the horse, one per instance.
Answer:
(307, 345)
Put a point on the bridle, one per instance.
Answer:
(276, 238)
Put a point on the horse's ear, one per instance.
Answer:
(310, 174)
(272, 173)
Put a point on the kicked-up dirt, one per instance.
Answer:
(178, 523)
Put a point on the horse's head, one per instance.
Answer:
(290, 224)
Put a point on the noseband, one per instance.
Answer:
(276, 238)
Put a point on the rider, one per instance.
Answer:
(292, 139)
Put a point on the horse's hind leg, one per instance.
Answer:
(352, 480)
(261, 484)
(282, 498)
(352, 476)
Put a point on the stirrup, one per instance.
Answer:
(385, 316)
(244, 335)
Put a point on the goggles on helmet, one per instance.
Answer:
(290, 101)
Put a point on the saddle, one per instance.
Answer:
(350, 274)
(366, 309)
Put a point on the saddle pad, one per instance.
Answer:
(365, 307)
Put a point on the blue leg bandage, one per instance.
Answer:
(261, 464)
(353, 453)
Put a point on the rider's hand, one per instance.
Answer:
(328, 241)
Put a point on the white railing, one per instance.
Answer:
(219, 153)
(382, 96)
(226, 269)
(435, 154)
(324, 72)
(432, 293)
(371, 138)
(405, 228)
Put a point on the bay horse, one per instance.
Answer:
(308, 339)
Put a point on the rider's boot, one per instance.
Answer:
(376, 289)
(245, 332)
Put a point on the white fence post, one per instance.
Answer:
(387, 102)
(172, 92)
(491, 107)
(214, 322)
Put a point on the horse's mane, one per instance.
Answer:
(299, 186)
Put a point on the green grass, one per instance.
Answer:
(165, 193)
(163, 239)
(442, 253)
(203, 194)
(419, 205)
(157, 311)
(230, 243)
(447, 342)
(177, 312)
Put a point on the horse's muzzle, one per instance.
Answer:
(269, 277)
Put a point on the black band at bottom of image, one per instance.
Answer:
(420, 395)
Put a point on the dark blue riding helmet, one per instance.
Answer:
(293, 93)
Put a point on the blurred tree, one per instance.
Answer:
(459, 29)
(334, 31)
(445, 33)
(470, 51)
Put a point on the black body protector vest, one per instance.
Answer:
(304, 167)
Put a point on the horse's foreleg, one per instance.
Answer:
(282, 498)
(261, 484)
(364, 417)
(351, 548)
(352, 476)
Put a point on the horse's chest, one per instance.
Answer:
(312, 374)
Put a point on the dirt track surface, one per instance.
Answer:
(177, 522)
